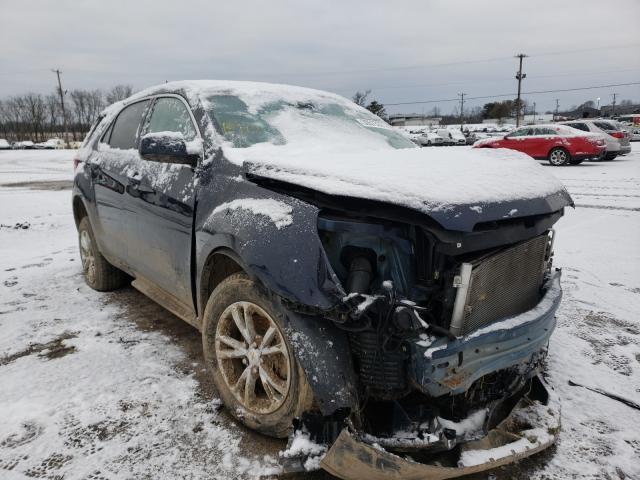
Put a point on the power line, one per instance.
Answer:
(534, 92)
(434, 65)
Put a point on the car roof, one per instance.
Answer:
(263, 91)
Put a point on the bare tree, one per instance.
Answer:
(36, 113)
(117, 93)
(54, 112)
(360, 98)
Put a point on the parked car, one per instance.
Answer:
(429, 138)
(51, 144)
(24, 145)
(560, 145)
(446, 136)
(617, 142)
(331, 266)
(4, 145)
(635, 135)
(457, 136)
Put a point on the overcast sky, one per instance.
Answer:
(403, 50)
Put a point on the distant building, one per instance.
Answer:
(413, 119)
(582, 112)
(620, 110)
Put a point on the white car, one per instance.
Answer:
(457, 136)
(25, 145)
(635, 134)
(4, 145)
(428, 139)
(446, 136)
(51, 144)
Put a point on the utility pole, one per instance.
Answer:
(613, 105)
(555, 116)
(461, 95)
(64, 112)
(519, 76)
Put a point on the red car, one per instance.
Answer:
(559, 144)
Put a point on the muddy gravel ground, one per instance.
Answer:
(112, 386)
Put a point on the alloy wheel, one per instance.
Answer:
(253, 357)
(558, 157)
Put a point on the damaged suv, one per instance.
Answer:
(389, 303)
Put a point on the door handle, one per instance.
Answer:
(135, 184)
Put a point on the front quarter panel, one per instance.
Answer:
(275, 236)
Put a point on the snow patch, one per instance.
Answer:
(276, 211)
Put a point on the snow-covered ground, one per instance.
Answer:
(87, 393)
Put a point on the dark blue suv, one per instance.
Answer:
(349, 286)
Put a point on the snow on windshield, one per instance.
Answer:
(281, 122)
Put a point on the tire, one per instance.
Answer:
(263, 391)
(558, 157)
(98, 273)
(609, 157)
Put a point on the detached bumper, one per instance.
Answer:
(447, 367)
(532, 426)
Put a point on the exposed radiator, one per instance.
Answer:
(499, 286)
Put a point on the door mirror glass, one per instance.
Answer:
(167, 147)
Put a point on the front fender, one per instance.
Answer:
(274, 236)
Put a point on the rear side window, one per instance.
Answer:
(605, 126)
(171, 115)
(522, 132)
(124, 132)
(579, 126)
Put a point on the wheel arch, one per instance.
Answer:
(79, 210)
(219, 264)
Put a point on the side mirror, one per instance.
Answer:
(167, 147)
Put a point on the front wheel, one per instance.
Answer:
(98, 272)
(559, 157)
(250, 358)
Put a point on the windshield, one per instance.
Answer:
(281, 122)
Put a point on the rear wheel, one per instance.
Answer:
(252, 362)
(559, 156)
(98, 273)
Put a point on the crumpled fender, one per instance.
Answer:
(286, 255)
(511, 440)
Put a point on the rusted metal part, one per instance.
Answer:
(531, 427)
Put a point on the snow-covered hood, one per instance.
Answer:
(456, 187)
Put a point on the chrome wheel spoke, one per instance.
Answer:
(233, 343)
(239, 320)
(250, 328)
(242, 380)
(269, 382)
(268, 337)
(272, 350)
(250, 386)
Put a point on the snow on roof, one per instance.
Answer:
(254, 94)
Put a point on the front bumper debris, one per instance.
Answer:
(532, 426)
(447, 367)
